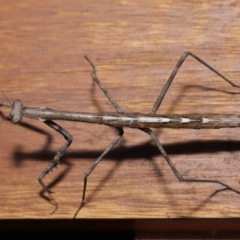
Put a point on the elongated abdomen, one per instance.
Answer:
(192, 121)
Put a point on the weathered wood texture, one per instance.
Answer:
(134, 45)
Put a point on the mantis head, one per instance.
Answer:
(16, 112)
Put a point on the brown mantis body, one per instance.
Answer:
(120, 119)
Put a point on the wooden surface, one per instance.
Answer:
(135, 46)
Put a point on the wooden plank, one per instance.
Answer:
(134, 46)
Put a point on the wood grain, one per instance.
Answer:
(135, 46)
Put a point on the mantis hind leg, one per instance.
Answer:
(176, 172)
(174, 72)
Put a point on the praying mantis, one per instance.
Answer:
(120, 119)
